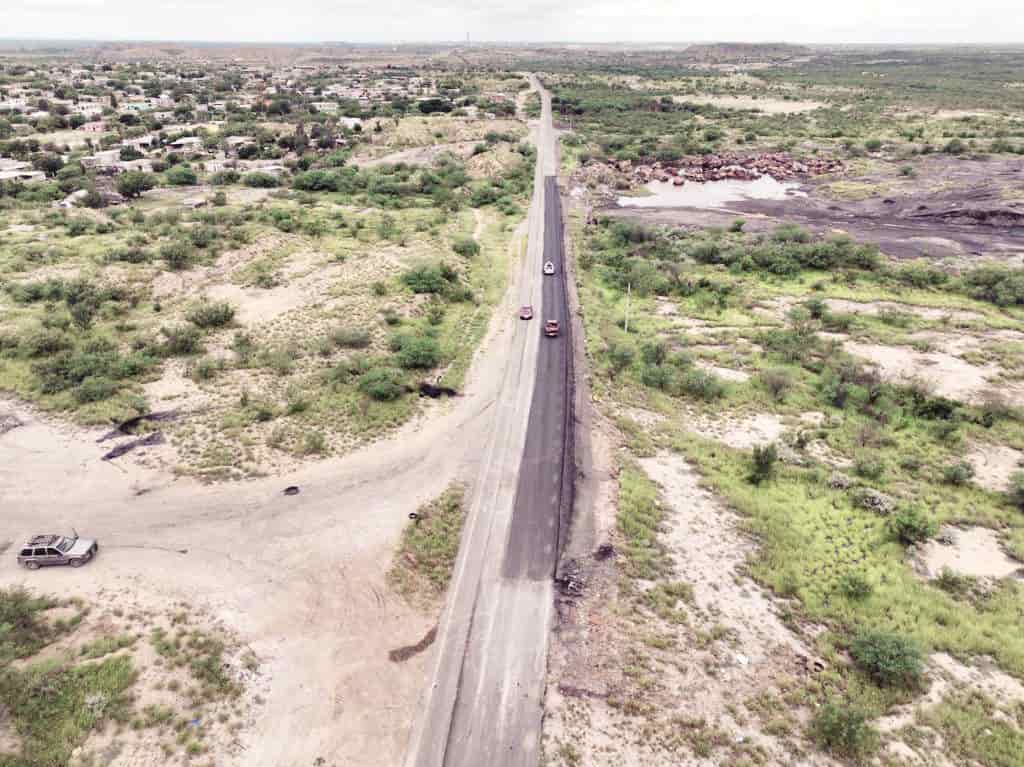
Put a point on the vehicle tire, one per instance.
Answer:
(76, 562)
(31, 565)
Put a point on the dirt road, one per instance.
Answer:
(484, 705)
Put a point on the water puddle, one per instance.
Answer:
(712, 194)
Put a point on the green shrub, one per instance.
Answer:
(177, 255)
(351, 338)
(911, 525)
(868, 466)
(777, 382)
(181, 175)
(181, 340)
(854, 585)
(1016, 489)
(259, 180)
(763, 459)
(382, 384)
(429, 278)
(702, 385)
(843, 731)
(95, 389)
(211, 314)
(620, 357)
(418, 351)
(958, 474)
(889, 659)
(466, 247)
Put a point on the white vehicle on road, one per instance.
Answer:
(549, 268)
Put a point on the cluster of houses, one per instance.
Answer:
(105, 107)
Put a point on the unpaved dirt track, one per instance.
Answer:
(484, 705)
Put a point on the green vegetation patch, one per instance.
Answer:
(426, 555)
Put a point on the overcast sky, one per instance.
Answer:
(859, 21)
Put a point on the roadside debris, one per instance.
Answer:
(402, 654)
(434, 391)
(128, 427)
(9, 422)
(155, 438)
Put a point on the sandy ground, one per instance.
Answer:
(300, 580)
(994, 465)
(974, 551)
(768, 106)
(732, 650)
(944, 374)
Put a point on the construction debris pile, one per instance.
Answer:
(717, 167)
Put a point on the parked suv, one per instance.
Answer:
(57, 550)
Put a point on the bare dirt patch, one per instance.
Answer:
(767, 105)
(711, 671)
(974, 551)
(945, 374)
(994, 465)
(874, 308)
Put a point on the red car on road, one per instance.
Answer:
(551, 328)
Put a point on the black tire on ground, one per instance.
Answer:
(32, 565)
(76, 562)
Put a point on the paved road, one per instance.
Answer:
(484, 705)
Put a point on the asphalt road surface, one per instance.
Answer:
(543, 485)
(484, 705)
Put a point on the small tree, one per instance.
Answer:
(181, 175)
(134, 183)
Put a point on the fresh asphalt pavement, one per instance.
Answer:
(484, 705)
(533, 539)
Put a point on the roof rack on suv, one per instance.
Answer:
(43, 540)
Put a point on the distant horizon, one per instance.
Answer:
(541, 22)
(497, 42)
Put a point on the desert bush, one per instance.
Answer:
(1016, 491)
(868, 466)
(382, 384)
(177, 255)
(181, 340)
(855, 585)
(958, 473)
(209, 314)
(259, 180)
(181, 175)
(417, 351)
(351, 338)
(95, 389)
(466, 247)
(911, 525)
(620, 357)
(776, 382)
(843, 731)
(702, 385)
(762, 464)
(889, 659)
(429, 278)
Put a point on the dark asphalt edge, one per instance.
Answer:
(567, 490)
